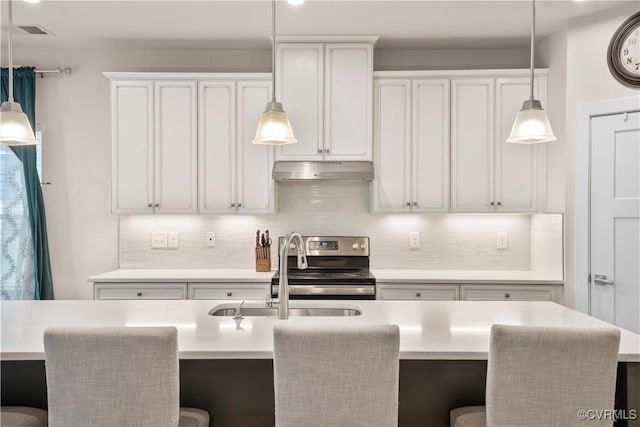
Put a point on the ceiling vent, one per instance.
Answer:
(34, 30)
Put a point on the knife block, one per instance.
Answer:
(263, 258)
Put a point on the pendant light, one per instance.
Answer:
(14, 124)
(274, 127)
(532, 124)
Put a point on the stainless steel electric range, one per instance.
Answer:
(338, 269)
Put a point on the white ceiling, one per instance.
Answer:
(246, 24)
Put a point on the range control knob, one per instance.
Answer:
(292, 245)
(363, 246)
(355, 246)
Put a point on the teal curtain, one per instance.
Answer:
(24, 92)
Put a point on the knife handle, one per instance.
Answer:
(257, 238)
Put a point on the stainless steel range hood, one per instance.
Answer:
(323, 171)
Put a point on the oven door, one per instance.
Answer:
(347, 291)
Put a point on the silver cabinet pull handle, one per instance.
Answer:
(139, 294)
(229, 294)
(601, 279)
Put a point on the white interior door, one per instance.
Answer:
(615, 219)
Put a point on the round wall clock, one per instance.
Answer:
(623, 54)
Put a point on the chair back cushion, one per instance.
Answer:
(104, 377)
(336, 375)
(542, 376)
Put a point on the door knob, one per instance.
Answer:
(601, 279)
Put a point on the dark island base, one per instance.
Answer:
(240, 392)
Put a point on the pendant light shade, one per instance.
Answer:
(15, 128)
(14, 125)
(274, 127)
(532, 124)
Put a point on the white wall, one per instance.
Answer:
(73, 113)
(580, 49)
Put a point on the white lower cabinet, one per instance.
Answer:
(510, 293)
(430, 292)
(104, 291)
(469, 292)
(226, 291)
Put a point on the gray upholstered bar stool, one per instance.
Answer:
(542, 377)
(115, 377)
(327, 376)
(22, 416)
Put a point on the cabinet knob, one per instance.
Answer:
(507, 295)
(408, 203)
(491, 204)
(327, 150)
(415, 204)
(499, 203)
(150, 205)
(139, 294)
(229, 294)
(233, 205)
(239, 205)
(319, 150)
(157, 205)
(418, 294)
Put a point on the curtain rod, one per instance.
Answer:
(66, 70)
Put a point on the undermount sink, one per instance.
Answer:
(230, 310)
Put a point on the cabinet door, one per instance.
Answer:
(472, 144)
(430, 148)
(217, 142)
(105, 291)
(226, 291)
(299, 86)
(132, 147)
(506, 293)
(255, 162)
(516, 170)
(430, 292)
(348, 101)
(392, 187)
(175, 147)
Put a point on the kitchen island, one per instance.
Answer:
(226, 365)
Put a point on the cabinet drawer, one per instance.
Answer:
(104, 291)
(506, 293)
(418, 292)
(226, 291)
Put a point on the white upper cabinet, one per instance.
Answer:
(488, 174)
(326, 88)
(154, 147)
(132, 147)
(411, 145)
(472, 144)
(235, 175)
(176, 147)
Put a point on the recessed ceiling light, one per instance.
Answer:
(295, 2)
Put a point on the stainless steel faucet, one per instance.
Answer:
(283, 284)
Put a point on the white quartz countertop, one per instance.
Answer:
(439, 330)
(231, 275)
(466, 276)
(382, 276)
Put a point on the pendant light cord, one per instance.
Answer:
(273, 51)
(533, 43)
(10, 51)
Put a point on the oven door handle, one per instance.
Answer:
(327, 290)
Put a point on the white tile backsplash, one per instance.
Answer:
(449, 241)
(547, 249)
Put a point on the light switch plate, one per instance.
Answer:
(414, 240)
(501, 240)
(174, 240)
(210, 238)
(159, 239)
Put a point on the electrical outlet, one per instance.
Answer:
(210, 238)
(414, 240)
(174, 240)
(158, 239)
(501, 240)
